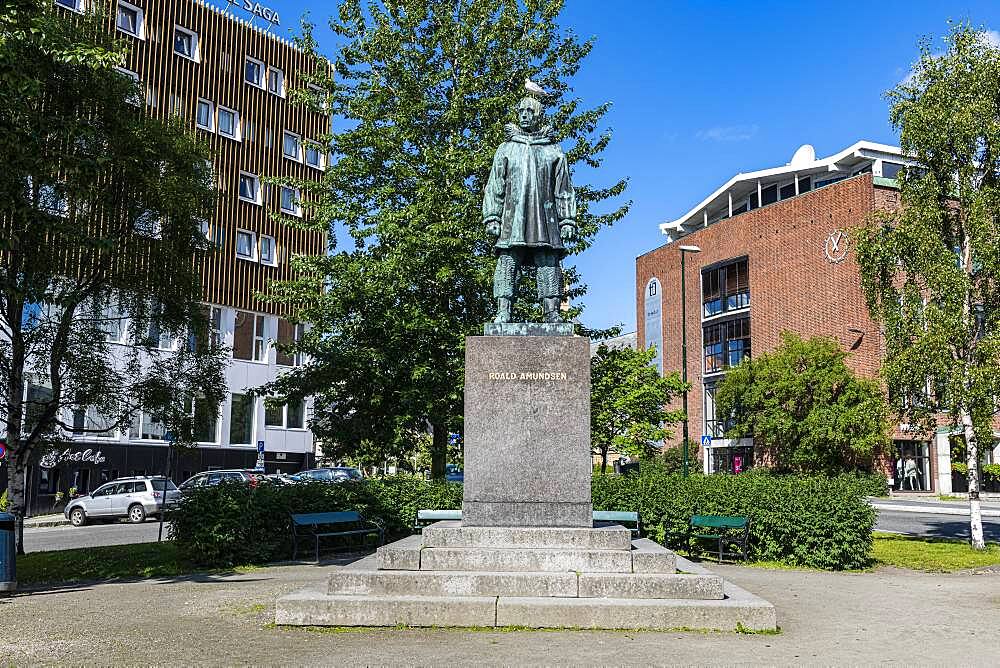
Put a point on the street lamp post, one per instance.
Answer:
(684, 348)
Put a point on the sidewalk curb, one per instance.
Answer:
(934, 510)
(28, 524)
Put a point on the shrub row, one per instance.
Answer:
(816, 521)
(810, 521)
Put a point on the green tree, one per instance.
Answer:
(931, 269)
(100, 211)
(628, 399)
(422, 90)
(805, 409)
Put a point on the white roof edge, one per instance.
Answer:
(853, 150)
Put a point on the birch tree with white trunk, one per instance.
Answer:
(931, 268)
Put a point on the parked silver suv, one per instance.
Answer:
(134, 498)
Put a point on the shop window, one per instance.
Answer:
(911, 466)
(726, 344)
(241, 420)
(81, 481)
(48, 481)
(732, 460)
(725, 288)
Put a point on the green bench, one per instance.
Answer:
(723, 530)
(629, 520)
(427, 517)
(325, 525)
(626, 519)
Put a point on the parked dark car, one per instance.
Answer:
(211, 478)
(331, 474)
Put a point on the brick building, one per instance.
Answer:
(768, 252)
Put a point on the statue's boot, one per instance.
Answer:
(550, 309)
(503, 310)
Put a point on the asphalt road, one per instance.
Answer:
(934, 526)
(92, 535)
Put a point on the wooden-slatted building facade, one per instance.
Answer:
(229, 76)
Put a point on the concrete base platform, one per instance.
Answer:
(488, 576)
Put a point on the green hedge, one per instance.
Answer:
(821, 522)
(232, 523)
(810, 521)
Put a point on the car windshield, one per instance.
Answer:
(353, 474)
(159, 485)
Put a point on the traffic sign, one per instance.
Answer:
(706, 441)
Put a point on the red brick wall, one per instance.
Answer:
(793, 286)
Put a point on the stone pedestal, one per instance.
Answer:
(527, 431)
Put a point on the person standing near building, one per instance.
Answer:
(910, 473)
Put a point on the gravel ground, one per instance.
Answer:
(889, 617)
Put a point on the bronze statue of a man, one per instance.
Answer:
(530, 206)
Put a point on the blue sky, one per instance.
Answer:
(703, 90)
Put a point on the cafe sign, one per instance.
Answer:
(53, 459)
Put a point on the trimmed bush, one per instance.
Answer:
(233, 523)
(810, 521)
(816, 521)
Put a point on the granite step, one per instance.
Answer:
(348, 581)
(355, 582)
(524, 560)
(453, 534)
(609, 613)
(314, 608)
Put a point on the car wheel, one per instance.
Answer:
(77, 517)
(136, 514)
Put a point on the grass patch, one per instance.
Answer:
(109, 562)
(938, 555)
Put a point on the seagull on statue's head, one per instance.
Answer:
(534, 88)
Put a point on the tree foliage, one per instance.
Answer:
(931, 269)
(100, 210)
(628, 397)
(806, 411)
(421, 91)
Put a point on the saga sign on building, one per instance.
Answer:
(260, 10)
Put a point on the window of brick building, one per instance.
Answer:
(725, 288)
(726, 344)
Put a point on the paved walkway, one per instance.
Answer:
(933, 506)
(892, 617)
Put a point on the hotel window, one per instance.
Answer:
(246, 245)
(186, 43)
(725, 288)
(75, 5)
(254, 72)
(205, 118)
(248, 337)
(229, 123)
(290, 201)
(291, 146)
(267, 251)
(250, 188)
(288, 334)
(241, 420)
(276, 81)
(726, 344)
(129, 19)
(313, 157)
(205, 421)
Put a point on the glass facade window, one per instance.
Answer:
(313, 157)
(243, 336)
(129, 19)
(259, 342)
(890, 170)
(726, 344)
(229, 123)
(245, 243)
(275, 81)
(769, 195)
(291, 146)
(254, 72)
(206, 422)
(185, 43)
(75, 5)
(274, 413)
(267, 253)
(249, 188)
(714, 426)
(241, 420)
(295, 415)
(725, 288)
(290, 200)
(787, 191)
(206, 115)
